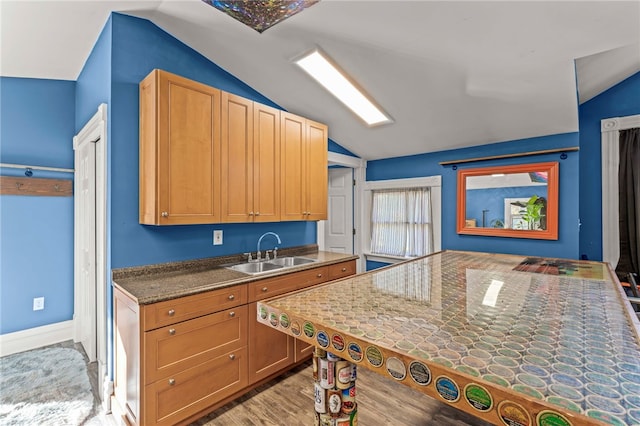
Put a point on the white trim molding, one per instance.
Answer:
(610, 133)
(34, 338)
(95, 131)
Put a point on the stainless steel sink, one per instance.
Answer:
(292, 261)
(254, 268)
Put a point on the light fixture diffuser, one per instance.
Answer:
(318, 66)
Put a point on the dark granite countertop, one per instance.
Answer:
(156, 283)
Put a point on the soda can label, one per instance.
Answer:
(334, 402)
(320, 399)
(349, 400)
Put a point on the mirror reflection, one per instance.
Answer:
(518, 201)
(507, 200)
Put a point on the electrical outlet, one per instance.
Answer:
(38, 303)
(217, 237)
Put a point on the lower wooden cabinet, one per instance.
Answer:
(178, 359)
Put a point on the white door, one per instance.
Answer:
(85, 224)
(338, 230)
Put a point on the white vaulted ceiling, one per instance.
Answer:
(451, 74)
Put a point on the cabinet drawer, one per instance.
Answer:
(185, 308)
(279, 285)
(173, 399)
(171, 349)
(340, 270)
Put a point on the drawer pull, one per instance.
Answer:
(172, 331)
(319, 275)
(171, 312)
(231, 297)
(344, 269)
(172, 382)
(232, 314)
(264, 289)
(232, 357)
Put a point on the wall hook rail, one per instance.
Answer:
(11, 185)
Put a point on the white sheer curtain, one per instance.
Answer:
(401, 223)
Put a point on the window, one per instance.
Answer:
(401, 223)
(402, 219)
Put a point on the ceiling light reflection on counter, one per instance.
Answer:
(331, 78)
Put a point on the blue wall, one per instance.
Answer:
(621, 100)
(36, 232)
(138, 46)
(492, 200)
(427, 165)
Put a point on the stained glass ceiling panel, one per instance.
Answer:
(261, 14)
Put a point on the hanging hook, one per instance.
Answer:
(28, 172)
(563, 156)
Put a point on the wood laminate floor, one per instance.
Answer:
(288, 401)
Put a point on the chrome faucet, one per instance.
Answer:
(275, 250)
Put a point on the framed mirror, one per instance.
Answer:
(519, 201)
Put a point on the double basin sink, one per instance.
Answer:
(254, 268)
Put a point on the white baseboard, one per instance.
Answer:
(37, 337)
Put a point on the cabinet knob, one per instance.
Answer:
(172, 382)
(232, 357)
(250, 213)
(171, 312)
(232, 314)
(164, 214)
(231, 297)
(264, 289)
(344, 269)
(319, 275)
(257, 213)
(172, 331)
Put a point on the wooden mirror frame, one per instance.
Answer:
(551, 233)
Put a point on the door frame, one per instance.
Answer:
(610, 146)
(95, 131)
(359, 175)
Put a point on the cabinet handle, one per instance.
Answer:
(232, 357)
(232, 314)
(172, 382)
(264, 289)
(171, 312)
(319, 275)
(165, 214)
(344, 269)
(231, 297)
(172, 331)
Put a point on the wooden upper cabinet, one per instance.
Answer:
(179, 151)
(250, 161)
(292, 139)
(317, 173)
(304, 168)
(266, 163)
(237, 159)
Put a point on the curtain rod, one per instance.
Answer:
(520, 154)
(23, 166)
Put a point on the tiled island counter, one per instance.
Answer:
(510, 339)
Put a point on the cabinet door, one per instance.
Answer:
(316, 174)
(171, 400)
(302, 350)
(237, 159)
(266, 163)
(292, 140)
(171, 349)
(270, 350)
(179, 151)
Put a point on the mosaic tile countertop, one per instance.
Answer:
(511, 339)
(156, 283)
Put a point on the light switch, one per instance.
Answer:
(217, 237)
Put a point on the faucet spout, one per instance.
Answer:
(264, 235)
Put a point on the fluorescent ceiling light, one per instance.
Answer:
(335, 81)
